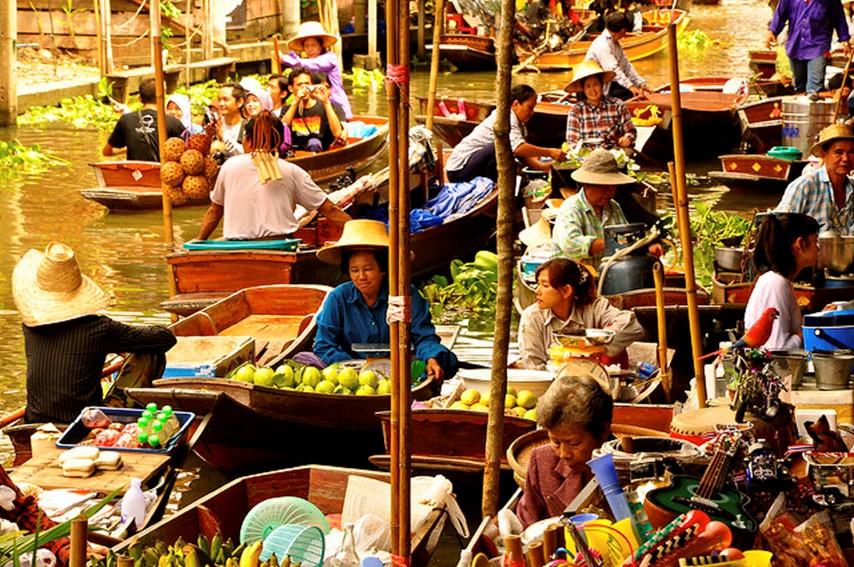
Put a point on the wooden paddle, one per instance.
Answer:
(838, 97)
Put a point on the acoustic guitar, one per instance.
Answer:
(707, 494)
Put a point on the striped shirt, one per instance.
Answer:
(813, 195)
(577, 226)
(609, 120)
(65, 360)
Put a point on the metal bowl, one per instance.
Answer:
(729, 259)
(586, 338)
(837, 253)
(600, 336)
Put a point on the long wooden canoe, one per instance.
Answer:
(755, 172)
(467, 52)
(224, 509)
(202, 278)
(281, 319)
(651, 40)
(135, 185)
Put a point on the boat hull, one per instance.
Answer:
(468, 52)
(747, 172)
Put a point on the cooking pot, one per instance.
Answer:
(789, 363)
(728, 258)
(837, 252)
(832, 368)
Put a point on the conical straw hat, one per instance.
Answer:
(585, 69)
(49, 288)
(311, 29)
(358, 235)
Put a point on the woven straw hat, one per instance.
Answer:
(587, 68)
(831, 133)
(311, 29)
(357, 235)
(537, 234)
(49, 288)
(600, 168)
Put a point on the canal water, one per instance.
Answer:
(124, 252)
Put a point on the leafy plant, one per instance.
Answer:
(16, 158)
(473, 286)
(79, 112)
(69, 10)
(362, 79)
(695, 40)
(711, 229)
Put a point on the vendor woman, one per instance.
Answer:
(567, 303)
(355, 312)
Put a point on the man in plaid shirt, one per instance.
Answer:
(827, 194)
(598, 116)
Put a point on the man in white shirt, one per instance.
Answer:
(607, 51)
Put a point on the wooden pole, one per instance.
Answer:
(8, 58)
(677, 172)
(107, 22)
(421, 29)
(504, 298)
(188, 48)
(838, 97)
(372, 30)
(276, 58)
(99, 35)
(438, 24)
(79, 541)
(658, 277)
(157, 57)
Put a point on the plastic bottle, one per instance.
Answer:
(166, 426)
(144, 425)
(347, 556)
(156, 438)
(142, 438)
(465, 558)
(173, 419)
(133, 504)
(513, 556)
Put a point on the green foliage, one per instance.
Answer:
(169, 9)
(473, 287)
(16, 158)
(695, 40)
(362, 79)
(711, 229)
(78, 112)
(105, 88)
(69, 10)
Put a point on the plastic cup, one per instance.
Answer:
(758, 557)
(605, 471)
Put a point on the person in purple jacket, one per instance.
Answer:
(314, 42)
(811, 27)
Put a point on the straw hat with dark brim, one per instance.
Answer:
(357, 235)
(830, 134)
(538, 234)
(49, 288)
(587, 68)
(600, 168)
(311, 29)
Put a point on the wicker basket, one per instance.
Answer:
(519, 452)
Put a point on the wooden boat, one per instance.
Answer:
(759, 87)
(224, 509)
(651, 40)
(750, 172)
(468, 52)
(727, 289)
(763, 62)
(203, 277)
(762, 123)
(709, 123)
(281, 319)
(134, 185)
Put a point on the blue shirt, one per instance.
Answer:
(811, 26)
(812, 195)
(346, 319)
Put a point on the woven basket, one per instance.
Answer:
(519, 452)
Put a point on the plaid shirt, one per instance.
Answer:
(577, 226)
(609, 120)
(813, 195)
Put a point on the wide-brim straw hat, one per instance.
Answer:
(358, 234)
(49, 288)
(311, 29)
(587, 68)
(538, 234)
(600, 168)
(830, 134)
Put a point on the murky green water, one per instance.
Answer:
(124, 252)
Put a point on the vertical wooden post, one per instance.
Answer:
(438, 24)
(290, 18)
(99, 30)
(372, 29)
(207, 35)
(504, 221)
(106, 35)
(8, 58)
(683, 218)
(658, 278)
(421, 31)
(79, 539)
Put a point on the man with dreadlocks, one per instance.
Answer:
(257, 192)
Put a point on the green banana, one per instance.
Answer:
(135, 548)
(219, 560)
(203, 543)
(191, 558)
(274, 561)
(165, 560)
(216, 545)
(232, 562)
(160, 547)
(149, 557)
(237, 552)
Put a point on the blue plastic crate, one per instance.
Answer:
(284, 244)
(77, 432)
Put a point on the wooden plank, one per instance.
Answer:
(266, 327)
(43, 471)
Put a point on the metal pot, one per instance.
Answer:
(789, 363)
(729, 259)
(837, 252)
(832, 368)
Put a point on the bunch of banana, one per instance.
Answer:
(274, 562)
(204, 553)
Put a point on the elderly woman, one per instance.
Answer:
(597, 116)
(355, 312)
(566, 302)
(576, 412)
(314, 42)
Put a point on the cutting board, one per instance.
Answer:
(43, 470)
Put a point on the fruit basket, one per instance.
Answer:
(77, 432)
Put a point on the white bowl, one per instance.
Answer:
(537, 381)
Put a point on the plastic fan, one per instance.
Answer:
(303, 544)
(268, 515)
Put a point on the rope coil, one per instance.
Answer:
(398, 75)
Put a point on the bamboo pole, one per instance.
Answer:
(107, 22)
(658, 277)
(838, 96)
(79, 541)
(438, 24)
(276, 59)
(157, 58)
(504, 298)
(99, 39)
(677, 173)
(9, 56)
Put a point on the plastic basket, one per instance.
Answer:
(303, 544)
(77, 432)
(286, 244)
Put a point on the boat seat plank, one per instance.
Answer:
(268, 327)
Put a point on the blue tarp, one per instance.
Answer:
(459, 198)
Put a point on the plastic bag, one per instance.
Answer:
(371, 532)
(93, 417)
(7, 498)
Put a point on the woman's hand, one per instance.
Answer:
(625, 142)
(433, 369)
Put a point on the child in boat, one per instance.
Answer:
(576, 412)
(786, 244)
(567, 302)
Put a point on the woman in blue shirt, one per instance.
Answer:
(355, 312)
